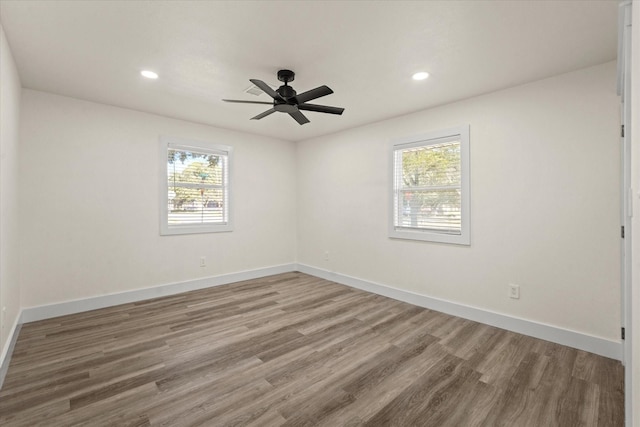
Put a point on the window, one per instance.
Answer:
(194, 193)
(430, 175)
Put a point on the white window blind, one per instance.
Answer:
(196, 190)
(430, 187)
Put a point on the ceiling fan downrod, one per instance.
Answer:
(285, 90)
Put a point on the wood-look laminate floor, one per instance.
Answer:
(294, 350)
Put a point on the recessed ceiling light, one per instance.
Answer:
(420, 76)
(149, 74)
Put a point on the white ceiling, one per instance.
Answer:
(365, 51)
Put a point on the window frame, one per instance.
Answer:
(167, 143)
(425, 140)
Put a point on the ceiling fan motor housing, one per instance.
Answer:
(286, 92)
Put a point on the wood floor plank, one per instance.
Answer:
(423, 394)
(372, 400)
(296, 350)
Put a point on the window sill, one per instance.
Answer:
(196, 229)
(426, 236)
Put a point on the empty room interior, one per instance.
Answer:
(278, 213)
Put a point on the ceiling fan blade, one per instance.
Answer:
(266, 88)
(321, 108)
(238, 101)
(299, 117)
(265, 114)
(313, 94)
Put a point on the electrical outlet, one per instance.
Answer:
(203, 261)
(326, 255)
(514, 291)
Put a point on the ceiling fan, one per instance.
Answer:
(286, 100)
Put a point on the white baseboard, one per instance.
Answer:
(7, 351)
(32, 314)
(601, 346)
(581, 341)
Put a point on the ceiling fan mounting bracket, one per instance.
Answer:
(286, 76)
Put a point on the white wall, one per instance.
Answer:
(9, 124)
(544, 204)
(89, 202)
